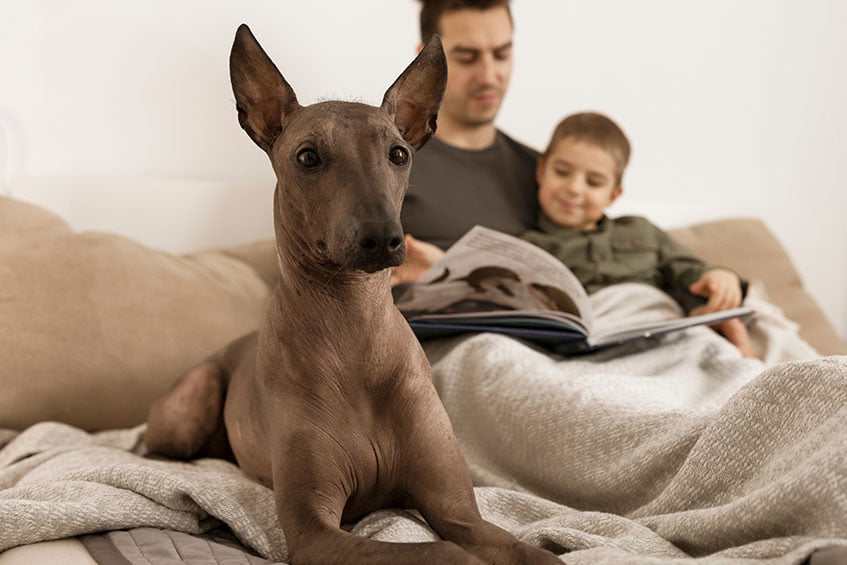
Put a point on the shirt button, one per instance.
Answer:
(596, 257)
(638, 243)
(599, 278)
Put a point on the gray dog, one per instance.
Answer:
(331, 402)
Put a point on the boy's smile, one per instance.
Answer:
(577, 181)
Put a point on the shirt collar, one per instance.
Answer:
(546, 225)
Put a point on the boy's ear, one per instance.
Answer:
(539, 170)
(616, 193)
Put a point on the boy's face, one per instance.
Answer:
(577, 181)
(478, 46)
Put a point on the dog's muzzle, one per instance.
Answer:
(377, 247)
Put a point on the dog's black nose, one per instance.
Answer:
(380, 246)
(369, 244)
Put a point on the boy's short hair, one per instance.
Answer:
(596, 129)
(432, 10)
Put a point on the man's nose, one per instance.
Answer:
(487, 69)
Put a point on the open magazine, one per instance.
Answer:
(493, 282)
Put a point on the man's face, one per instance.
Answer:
(478, 45)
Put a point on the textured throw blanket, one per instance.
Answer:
(649, 453)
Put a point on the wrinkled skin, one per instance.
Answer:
(331, 402)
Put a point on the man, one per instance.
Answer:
(470, 172)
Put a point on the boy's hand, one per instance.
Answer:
(420, 256)
(721, 287)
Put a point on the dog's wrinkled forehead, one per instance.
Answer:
(332, 123)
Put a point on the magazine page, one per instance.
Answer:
(491, 275)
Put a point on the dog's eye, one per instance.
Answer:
(398, 155)
(308, 158)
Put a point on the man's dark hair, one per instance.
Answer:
(432, 10)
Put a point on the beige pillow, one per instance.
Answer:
(94, 326)
(749, 248)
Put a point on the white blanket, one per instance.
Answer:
(651, 453)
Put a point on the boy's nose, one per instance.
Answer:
(571, 186)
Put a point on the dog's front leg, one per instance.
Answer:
(310, 497)
(454, 515)
(439, 482)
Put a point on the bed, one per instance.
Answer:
(675, 450)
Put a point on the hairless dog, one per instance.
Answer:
(331, 401)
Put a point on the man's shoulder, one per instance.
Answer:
(517, 147)
(503, 141)
(504, 154)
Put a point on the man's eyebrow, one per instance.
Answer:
(473, 50)
(463, 49)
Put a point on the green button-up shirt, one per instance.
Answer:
(619, 250)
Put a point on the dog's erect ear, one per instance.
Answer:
(262, 96)
(415, 96)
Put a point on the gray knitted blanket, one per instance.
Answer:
(661, 453)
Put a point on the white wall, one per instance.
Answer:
(733, 107)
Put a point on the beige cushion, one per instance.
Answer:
(94, 326)
(746, 246)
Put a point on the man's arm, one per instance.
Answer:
(420, 256)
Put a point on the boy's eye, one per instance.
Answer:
(562, 172)
(596, 182)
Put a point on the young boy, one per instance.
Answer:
(579, 176)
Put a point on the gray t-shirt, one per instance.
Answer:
(453, 189)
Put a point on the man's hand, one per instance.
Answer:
(420, 256)
(721, 287)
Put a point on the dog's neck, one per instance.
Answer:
(308, 284)
(332, 284)
(349, 313)
(304, 271)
